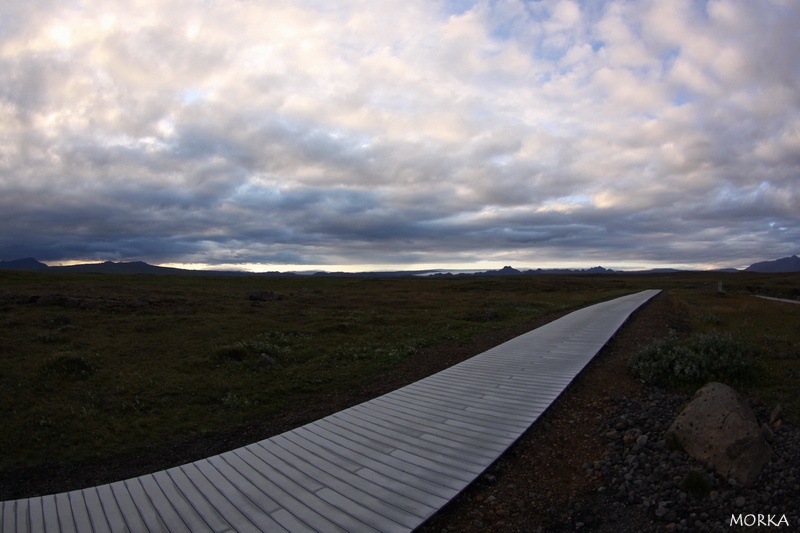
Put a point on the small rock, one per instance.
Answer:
(740, 502)
(776, 414)
(266, 361)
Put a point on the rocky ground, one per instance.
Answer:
(595, 461)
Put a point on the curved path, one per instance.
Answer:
(384, 465)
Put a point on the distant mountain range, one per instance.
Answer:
(132, 267)
(140, 267)
(786, 264)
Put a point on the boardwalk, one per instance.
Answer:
(384, 465)
(784, 300)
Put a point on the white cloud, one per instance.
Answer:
(216, 128)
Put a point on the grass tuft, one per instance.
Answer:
(68, 366)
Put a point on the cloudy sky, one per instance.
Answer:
(339, 134)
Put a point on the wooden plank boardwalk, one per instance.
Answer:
(384, 465)
(784, 300)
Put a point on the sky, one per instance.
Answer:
(363, 135)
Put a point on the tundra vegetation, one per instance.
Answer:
(93, 366)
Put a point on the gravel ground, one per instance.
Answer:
(641, 472)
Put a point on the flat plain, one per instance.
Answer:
(108, 376)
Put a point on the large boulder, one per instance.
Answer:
(718, 427)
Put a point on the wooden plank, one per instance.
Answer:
(128, 511)
(326, 469)
(154, 508)
(291, 523)
(507, 410)
(14, 517)
(36, 514)
(435, 471)
(263, 458)
(199, 487)
(478, 438)
(383, 464)
(309, 445)
(95, 509)
(245, 496)
(8, 515)
(145, 506)
(414, 404)
(302, 503)
(181, 518)
(468, 462)
(374, 521)
(426, 402)
(231, 481)
(463, 446)
(66, 521)
(407, 410)
(23, 523)
(494, 418)
(79, 511)
(50, 513)
(420, 396)
(212, 514)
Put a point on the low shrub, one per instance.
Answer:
(229, 354)
(47, 337)
(276, 345)
(232, 401)
(68, 366)
(699, 359)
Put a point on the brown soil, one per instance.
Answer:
(536, 482)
